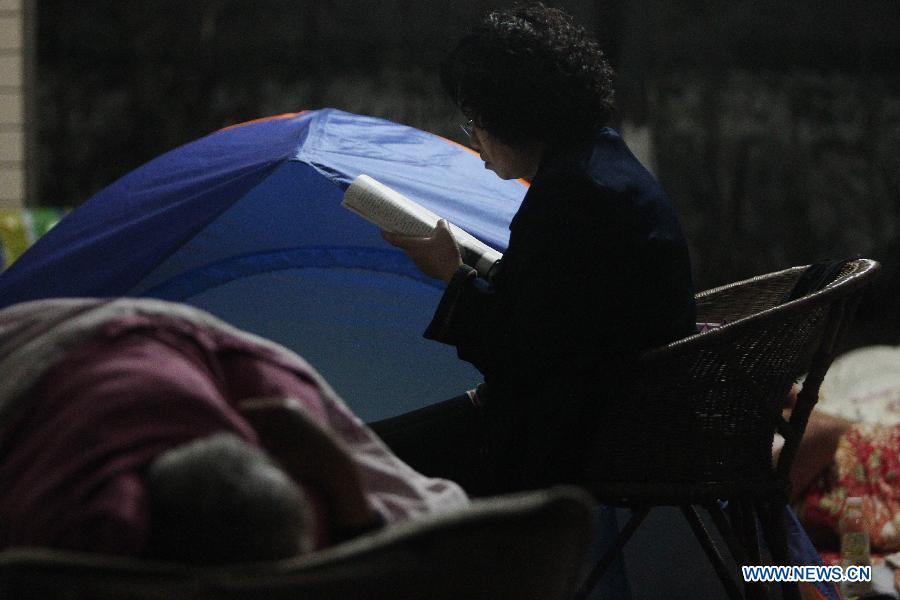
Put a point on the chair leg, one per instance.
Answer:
(709, 547)
(742, 538)
(745, 522)
(775, 533)
(750, 536)
(637, 517)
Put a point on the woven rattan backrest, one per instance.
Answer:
(705, 409)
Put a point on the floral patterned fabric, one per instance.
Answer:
(866, 464)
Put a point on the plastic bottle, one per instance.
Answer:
(854, 545)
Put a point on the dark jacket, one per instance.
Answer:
(596, 271)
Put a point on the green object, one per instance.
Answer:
(43, 220)
(21, 227)
(855, 549)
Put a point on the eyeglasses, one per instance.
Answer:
(468, 127)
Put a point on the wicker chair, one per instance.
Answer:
(699, 423)
(523, 546)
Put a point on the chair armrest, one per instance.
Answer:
(523, 545)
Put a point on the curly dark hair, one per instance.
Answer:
(531, 74)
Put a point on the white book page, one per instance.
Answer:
(387, 208)
(394, 212)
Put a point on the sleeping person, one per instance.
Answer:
(144, 428)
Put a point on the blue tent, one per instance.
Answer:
(247, 223)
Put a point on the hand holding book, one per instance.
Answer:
(417, 230)
(436, 255)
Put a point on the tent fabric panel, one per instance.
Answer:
(130, 226)
(196, 281)
(427, 168)
(361, 330)
(282, 116)
(272, 216)
(294, 208)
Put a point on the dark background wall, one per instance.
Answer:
(774, 126)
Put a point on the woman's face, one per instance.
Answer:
(508, 162)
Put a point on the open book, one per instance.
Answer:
(392, 211)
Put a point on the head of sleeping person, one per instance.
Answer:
(219, 500)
